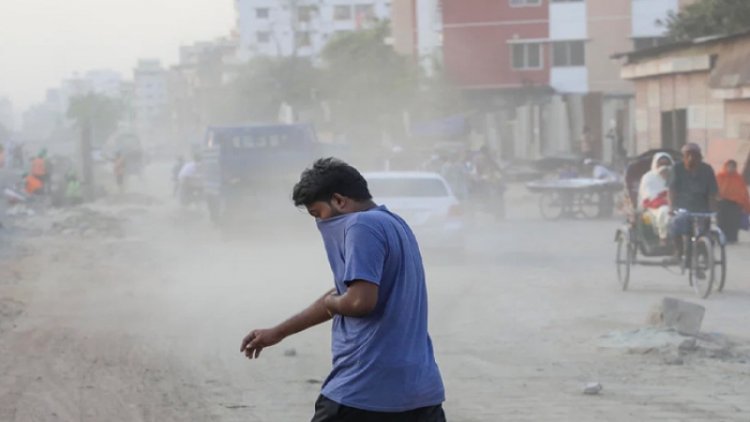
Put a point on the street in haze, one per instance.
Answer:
(573, 171)
(519, 323)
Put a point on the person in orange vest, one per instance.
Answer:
(33, 184)
(39, 167)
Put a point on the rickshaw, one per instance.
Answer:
(638, 244)
(572, 196)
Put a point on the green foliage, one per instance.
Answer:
(362, 81)
(265, 83)
(367, 82)
(710, 17)
(101, 112)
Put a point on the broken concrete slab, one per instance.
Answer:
(685, 317)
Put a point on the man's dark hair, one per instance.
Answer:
(326, 177)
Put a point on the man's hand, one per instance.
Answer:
(257, 340)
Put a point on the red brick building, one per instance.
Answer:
(496, 43)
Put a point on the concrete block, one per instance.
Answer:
(685, 317)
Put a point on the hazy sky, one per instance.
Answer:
(42, 41)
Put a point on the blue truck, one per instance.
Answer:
(246, 168)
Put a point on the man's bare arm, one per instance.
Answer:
(359, 300)
(315, 314)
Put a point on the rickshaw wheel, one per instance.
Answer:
(702, 261)
(588, 204)
(624, 259)
(550, 205)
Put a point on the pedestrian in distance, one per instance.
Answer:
(734, 201)
(383, 362)
(118, 165)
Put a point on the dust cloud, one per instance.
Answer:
(165, 230)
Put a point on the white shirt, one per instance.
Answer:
(189, 170)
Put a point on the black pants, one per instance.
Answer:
(729, 217)
(329, 411)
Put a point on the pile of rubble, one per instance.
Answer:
(86, 222)
(130, 199)
(674, 348)
(676, 337)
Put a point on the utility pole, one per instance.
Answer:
(86, 162)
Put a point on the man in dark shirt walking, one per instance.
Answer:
(383, 363)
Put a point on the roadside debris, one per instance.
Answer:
(592, 388)
(685, 317)
(86, 222)
(675, 348)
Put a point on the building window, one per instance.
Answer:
(306, 13)
(263, 37)
(364, 11)
(262, 12)
(342, 13)
(524, 3)
(568, 54)
(303, 39)
(527, 56)
(649, 42)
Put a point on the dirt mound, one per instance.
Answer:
(87, 222)
(131, 199)
(675, 347)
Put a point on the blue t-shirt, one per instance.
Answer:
(382, 362)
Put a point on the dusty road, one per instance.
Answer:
(131, 310)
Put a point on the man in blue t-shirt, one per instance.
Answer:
(383, 363)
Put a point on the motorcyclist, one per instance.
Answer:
(190, 181)
(488, 181)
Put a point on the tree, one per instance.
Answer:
(709, 17)
(100, 112)
(97, 118)
(262, 85)
(367, 82)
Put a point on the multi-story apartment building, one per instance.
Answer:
(104, 82)
(300, 27)
(149, 94)
(565, 44)
(558, 52)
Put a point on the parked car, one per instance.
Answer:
(426, 202)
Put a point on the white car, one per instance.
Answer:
(426, 202)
